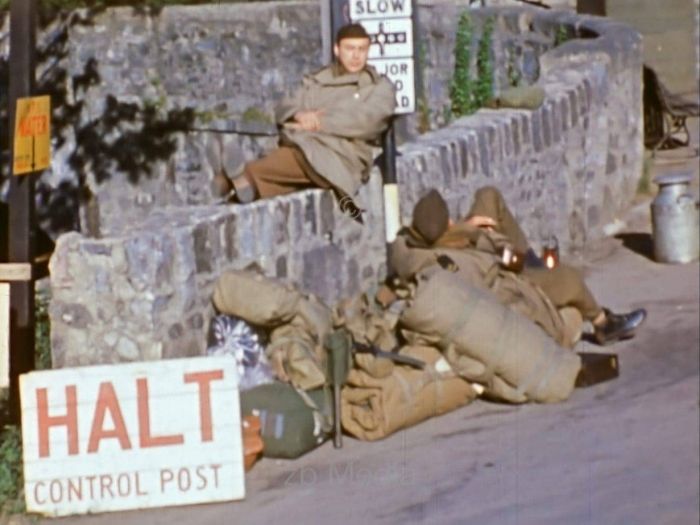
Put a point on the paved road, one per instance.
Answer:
(623, 452)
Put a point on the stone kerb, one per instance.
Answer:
(147, 294)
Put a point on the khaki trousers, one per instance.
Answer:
(282, 171)
(564, 285)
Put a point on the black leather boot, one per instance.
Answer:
(618, 326)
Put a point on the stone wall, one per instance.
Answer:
(567, 168)
(146, 294)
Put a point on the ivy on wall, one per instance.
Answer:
(469, 92)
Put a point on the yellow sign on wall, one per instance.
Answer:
(32, 148)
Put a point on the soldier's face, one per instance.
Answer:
(352, 53)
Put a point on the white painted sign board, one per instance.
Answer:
(138, 435)
(400, 71)
(4, 335)
(390, 27)
(390, 38)
(368, 9)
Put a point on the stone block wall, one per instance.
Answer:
(147, 294)
(566, 168)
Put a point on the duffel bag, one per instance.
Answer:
(514, 359)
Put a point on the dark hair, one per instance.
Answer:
(351, 31)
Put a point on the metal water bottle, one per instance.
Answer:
(675, 220)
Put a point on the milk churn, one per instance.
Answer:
(675, 220)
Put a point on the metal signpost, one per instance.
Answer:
(390, 24)
(21, 200)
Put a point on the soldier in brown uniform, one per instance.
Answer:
(563, 285)
(327, 128)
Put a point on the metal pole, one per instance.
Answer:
(392, 219)
(21, 201)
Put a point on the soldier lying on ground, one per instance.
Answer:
(327, 129)
(431, 228)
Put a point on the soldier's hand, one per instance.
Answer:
(308, 120)
(481, 221)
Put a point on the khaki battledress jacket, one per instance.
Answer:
(356, 109)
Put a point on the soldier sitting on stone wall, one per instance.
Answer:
(432, 228)
(327, 129)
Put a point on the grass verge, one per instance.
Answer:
(11, 478)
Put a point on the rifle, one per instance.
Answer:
(391, 355)
(340, 346)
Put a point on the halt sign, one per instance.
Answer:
(106, 438)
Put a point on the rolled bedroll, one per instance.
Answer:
(255, 298)
(489, 343)
(377, 405)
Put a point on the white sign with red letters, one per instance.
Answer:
(116, 437)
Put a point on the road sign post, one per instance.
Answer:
(390, 24)
(21, 200)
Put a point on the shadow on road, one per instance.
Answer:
(640, 243)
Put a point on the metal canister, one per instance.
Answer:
(675, 220)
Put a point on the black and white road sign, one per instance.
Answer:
(368, 9)
(391, 38)
(400, 72)
(390, 26)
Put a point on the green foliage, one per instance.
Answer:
(254, 114)
(561, 35)
(424, 112)
(469, 94)
(42, 331)
(11, 480)
(514, 76)
(462, 90)
(484, 66)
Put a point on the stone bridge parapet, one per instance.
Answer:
(567, 168)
